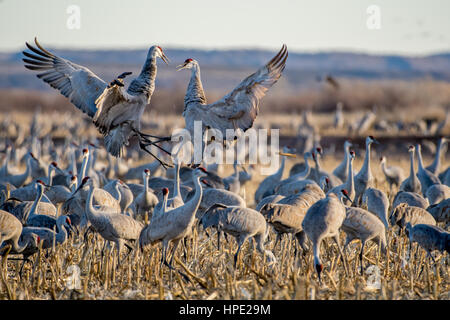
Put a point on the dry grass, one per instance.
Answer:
(211, 274)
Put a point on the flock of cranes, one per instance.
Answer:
(46, 204)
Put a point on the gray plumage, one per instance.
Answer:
(242, 223)
(437, 192)
(364, 178)
(426, 178)
(363, 225)
(394, 175)
(411, 198)
(115, 112)
(429, 237)
(403, 213)
(441, 212)
(436, 165)
(341, 171)
(378, 204)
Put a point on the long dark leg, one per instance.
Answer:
(361, 256)
(143, 147)
(218, 239)
(336, 239)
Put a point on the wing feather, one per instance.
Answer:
(239, 108)
(75, 82)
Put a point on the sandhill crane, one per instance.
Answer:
(318, 173)
(341, 170)
(429, 237)
(378, 203)
(115, 112)
(32, 246)
(411, 198)
(112, 226)
(436, 165)
(426, 178)
(161, 209)
(437, 192)
(19, 179)
(47, 234)
(403, 213)
(269, 183)
(412, 183)
(286, 216)
(10, 231)
(339, 119)
(121, 192)
(441, 211)
(176, 200)
(242, 223)
(176, 224)
(236, 110)
(349, 185)
(364, 178)
(394, 175)
(323, 220)
(361, 224)
(145, 201)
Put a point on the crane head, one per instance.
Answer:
(165, 191)
(411, 148)
(147, 172)
(160, 53)
(352, 154)
(85, 151)
(187, 64)
(345, 194)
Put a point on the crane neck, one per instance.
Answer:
(194, 92)
(91, 212)
(176, 186)
(280, 170)
(61, 236)
(366, 165)
(419, 158)
(412, 172)
(350, 178)
(50, 175)
(437, 159)
(193, 204)
(145, 82)
(83, 167)
(145, 183)
(33, 208)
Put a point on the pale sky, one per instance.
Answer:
(414, 27)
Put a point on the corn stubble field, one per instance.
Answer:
(209, 270)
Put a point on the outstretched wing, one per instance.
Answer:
(239, 108)
(75, 82)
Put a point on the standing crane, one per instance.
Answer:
(175, 224)
(116, 112)
(10, 231)
(394, 175)
(349, 185)
(429, 237)
(412, 183)
(112, 226)
(242, 223)
(341, 170)
(323, 220)
(363, 225)
(236, 110)
(426, 178)
(145, 201)
(364, 178)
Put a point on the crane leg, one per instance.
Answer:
(344, 262)
(361, 256)
(144, 147)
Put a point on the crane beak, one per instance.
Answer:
(287, 154)
(181, 66)
(164, 58)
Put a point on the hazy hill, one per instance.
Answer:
(226, 68)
